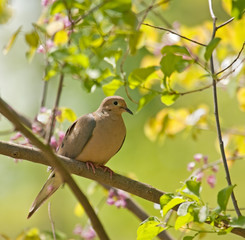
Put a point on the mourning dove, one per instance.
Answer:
(93, 138)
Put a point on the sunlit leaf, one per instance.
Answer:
(11, 41)
(134, 40)
(149, 229)
(194, 187)
(77, 59)
(5, 12)
(183, 220)
(210, 48)
(139, 75)
(188, 238)
(57, 7)
(66, 114)
(183, 208)
(111, 87)
(164, 199)
(224, 196)
(238, 7)
(79, 210)
(51, 73)
(61, 38)
(169, 98)
(32, 39)
(175, 49)
(171, 204)
(145, 99)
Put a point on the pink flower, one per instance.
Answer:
(211, 180)
(198, 157)
(86, 234)
(215, 168)
(110, 201)
(16, 136)
(190, 166)
(49, 44)
(53, 142)
(45, 3)
(61, 136)
(199, 176)
(66, 22)
(117, 198)
(57, 16)
(205, 159)
(41, 49)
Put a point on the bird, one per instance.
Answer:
(93, 138)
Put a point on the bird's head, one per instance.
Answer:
(114, 104)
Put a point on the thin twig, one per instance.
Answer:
(55, 162)
(51, 220)
(239, 54)
(181, 36)
(216, 113)
(225, 23)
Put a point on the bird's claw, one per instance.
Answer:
(94, 166)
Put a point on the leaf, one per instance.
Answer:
(66, 113)
(61, 38)
(169, 98)
(241, 98)
(6, 11)
(77, 59)
(188, 237)
(164, 199)
(11, 41)
(238, 222)
(175, 49)
(110, 88)
(203, 213)
(194, 187)
(182, 220)
(223, 197)
(32, 39)
(145, 99)
(183, 208)
(134, 40)
(79, 210)
(210, 48)
(140, 75)
(149, 229)
(171, 204)
(238, 7)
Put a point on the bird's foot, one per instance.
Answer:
(91, 165)
(94, 166)
(106, 169)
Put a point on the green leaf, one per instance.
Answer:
(175, 49)
(188, 237)
(139, 75)
(194, 187)
(223, 197)
(210, 48)
(110, 88)
(169, 98)
(78, 59)
(238, 222)
(182, 220)
(11, 41)
(171, 204)
(149, 229)
(57, 7)
(145, 99)
(32, 39)
(183, 208)
(164, 199)
(237, 9)
(133, 41)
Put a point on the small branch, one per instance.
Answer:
(51, 220)
(225, 23)
(168, 30)
(55, 162)
(239, 54)
(216, 113)
(52, 122)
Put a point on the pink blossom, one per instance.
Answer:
(190, 166)
(215, 168)
(61, 136)
(41, 49)
(110, 201)
(198, 157)
(16, 136)
(53, 142)
(205, 159)
(49, 44)
(120, 203)
(45, 3)
(86, 234)
(117, 198)
(199, 176)
(57, 16)
(66, 22)
(211, 180)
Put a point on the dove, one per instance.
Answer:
(93, 138)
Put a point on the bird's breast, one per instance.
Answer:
(106, 140)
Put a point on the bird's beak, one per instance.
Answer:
(128, 110)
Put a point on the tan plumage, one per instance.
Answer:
(94, 137)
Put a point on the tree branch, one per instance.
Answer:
(79, 168)
(216, 113)
(55, 162)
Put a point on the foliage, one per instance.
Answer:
(91, 41)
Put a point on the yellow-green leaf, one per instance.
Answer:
(168, 99)
(172, 203)
(78, 59)
(79, 210)
(66, 114)
(61, 38)
(210, 48)
(32, 39)
(11, 41)
(183, 220)
(111, 87)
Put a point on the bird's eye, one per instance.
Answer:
(115, 103)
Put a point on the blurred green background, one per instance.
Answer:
(160, 165)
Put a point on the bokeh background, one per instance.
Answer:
(162, 165)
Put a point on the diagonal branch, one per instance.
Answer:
(79, 168)
(55, 162)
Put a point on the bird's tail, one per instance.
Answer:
(53, 183)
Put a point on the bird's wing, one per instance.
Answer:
(77, 136)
